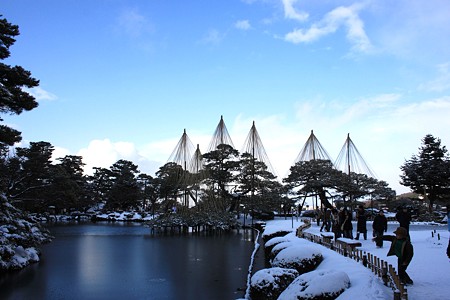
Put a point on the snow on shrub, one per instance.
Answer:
(276, 240)
(267, 284)
(303, 258)
(317, 285)
(275, 231)
(268, 246)
(20, 233)
(278, 248)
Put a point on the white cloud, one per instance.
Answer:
(243, 25)
(104, 153)
(40, 94)
(134, 24)
(291, 13)
(59, 152)
(440, 83)
(212, 37)
(340, 17)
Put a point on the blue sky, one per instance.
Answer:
(123, 79)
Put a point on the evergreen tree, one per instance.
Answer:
(149, 191)
(69, 183)
(124, 193)
(99, 185)
(221, 166)
(428, 173)
(33, 173)
(320, 178)
(13, 99)
(260, 185)
(169, 183)
(314, 178)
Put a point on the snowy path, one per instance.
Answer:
(430, 267)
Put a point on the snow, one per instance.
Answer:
(278, 240)
(315, 283)
(124, 216)
(295, 253)
(430, 267)
(23, 257)
(250, 267)
(273, 228)
(266, 276)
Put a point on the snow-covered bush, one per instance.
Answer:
(274, 231)
(20, 234)
(317, 285)
(268, 246)
(303, 258)
(267, 284)
(278, 248)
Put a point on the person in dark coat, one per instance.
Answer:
(404, 218)
(318, 213)
(402, 248)
(335, 225)
(361, 219)
(346, 224)
(379, 226)
(326, 217)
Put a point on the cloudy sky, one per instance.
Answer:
(123, 79)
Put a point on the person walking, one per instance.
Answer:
(335, 226)
(318, 214)
(346, 224)
(361, 219)
(379, 227)
(326, 220)
(404, 218)
(402, 248)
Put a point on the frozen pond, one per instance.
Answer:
(123, 261)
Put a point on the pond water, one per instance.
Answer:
(123, 261)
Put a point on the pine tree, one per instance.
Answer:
(428, 173)
(13, 99)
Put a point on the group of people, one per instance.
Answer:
(340, 223)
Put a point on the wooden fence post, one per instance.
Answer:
(405, 294)
(384, 275)
(379, 267)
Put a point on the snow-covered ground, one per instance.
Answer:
(430, 267)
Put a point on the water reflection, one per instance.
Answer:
(100, 261)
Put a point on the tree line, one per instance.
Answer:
(229, 181)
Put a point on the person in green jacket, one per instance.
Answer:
(402, 248)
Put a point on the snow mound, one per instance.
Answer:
(317, 285)
(303, 258)
(267, 284)
(278, 248)
(275, 231)
(276, 240)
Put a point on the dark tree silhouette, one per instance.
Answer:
(13, 99)
(428, 173)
